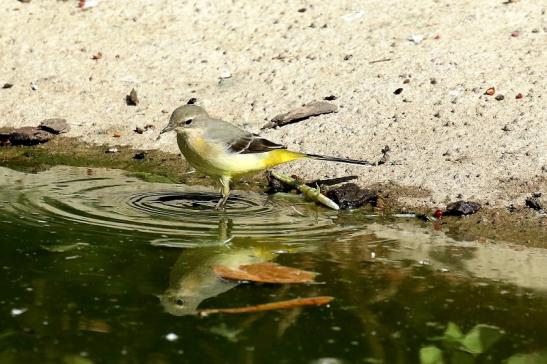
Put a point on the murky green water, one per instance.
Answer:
(98, 267)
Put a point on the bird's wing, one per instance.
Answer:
(240, 141)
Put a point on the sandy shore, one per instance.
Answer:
(446, 136)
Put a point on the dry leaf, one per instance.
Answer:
(280, 305)
(265, 273)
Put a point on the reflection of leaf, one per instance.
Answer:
(76, 359)
(311, 301)
(452, 332)
(63, 247)
(230, 334)
(431, 355)
(265, 273)
(480, 338)
(529, 358)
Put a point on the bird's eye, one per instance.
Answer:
(188, 122)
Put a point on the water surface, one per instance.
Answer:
(98, 267)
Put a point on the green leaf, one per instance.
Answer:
(529, 358)
(481, 338)
(431, 355)
(452, 332)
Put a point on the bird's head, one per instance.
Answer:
(184, 117)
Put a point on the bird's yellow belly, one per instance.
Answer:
(216, 161)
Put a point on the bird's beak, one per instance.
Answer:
(168, 128)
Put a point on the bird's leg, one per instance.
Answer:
(224, 191)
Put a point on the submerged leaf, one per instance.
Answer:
(431, 355)
(280, 305)
(481, 338)
(265, 273)
(452, 332)
(529, 358)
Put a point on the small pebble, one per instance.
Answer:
(416, 38)
(433, 81)
(500, 97)
(398, 91)
(139, 130)
(191, 101)
(7, 85)
(519, 96)
(33, 86)
(132, 99)
(330, 98)
(347, 57)
(302, 10)
(515, 34)
(490, 91)
(225, 74)
(117, 134)
(406, 80)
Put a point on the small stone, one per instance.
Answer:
(24, 1)
(117, 134)
(515, 34)
(416, 38)
(350, 196)
(347, 57)
(34, 86)
(140, 156)
(302, 10)
(518, 96)
(132, 99)
(490, 91)
(55, 125)
(406, 81)
(534, 203)
(398, 91)
(433, 81)
(139, 130)
(27, 135)
(437, 114)
(500, 97)
(97, 56)
(330, 98)
(225, 73)
(507, 128)
(461, 207)
(191, 101)
(7, 85)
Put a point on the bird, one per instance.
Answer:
(224, 151)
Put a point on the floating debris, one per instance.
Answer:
(55, 125)
(309, 192)
(171, 337)
(280, 305)
(265, 273)
(18, 311)
(301, 113)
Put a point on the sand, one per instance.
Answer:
(447, 138)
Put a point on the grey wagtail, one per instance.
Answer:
(223, 151)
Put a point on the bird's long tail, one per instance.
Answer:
(336, 159)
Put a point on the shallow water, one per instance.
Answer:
(98, 267)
